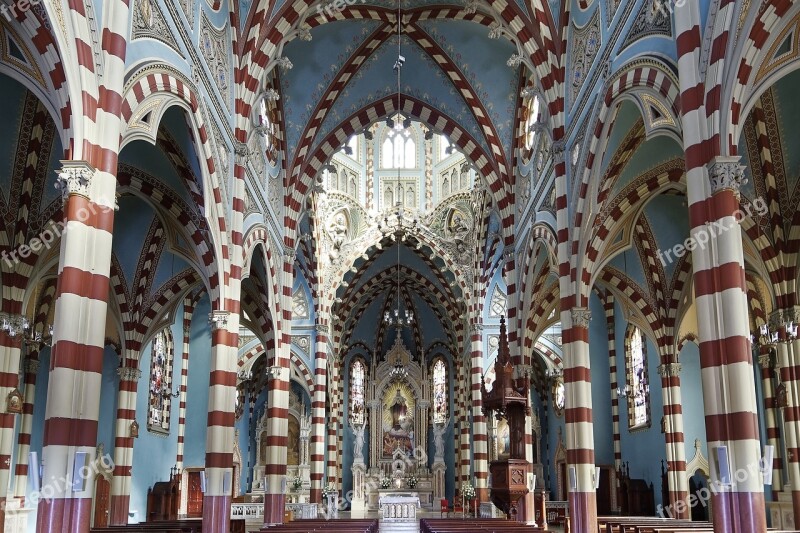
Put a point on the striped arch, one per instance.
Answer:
(627, 290)
(638, 74)
(154, 80)
(538, 319)
(758, 307)
(775, 18)
(303, 176)
(631, 199)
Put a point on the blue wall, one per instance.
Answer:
(694, 424)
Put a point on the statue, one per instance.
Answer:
(398, 415)
(438, 440)
(358, 448)
(338, 232)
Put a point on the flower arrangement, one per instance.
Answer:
(468, 490)
(297, 483)
(329, 489)
(411, 481)
(386, 483)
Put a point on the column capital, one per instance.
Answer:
(373, 404)
(218, 319)
(13, 324)
(669, 370)
(31, 366)
(580, 316)
(476, 327)
(75, 177)
(322, 328)
(289, 253)
(559, 150)
(508, 252)
(765, 360)
(726, 173)
(127, 373)
(423, 404)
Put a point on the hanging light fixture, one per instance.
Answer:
(397, 318)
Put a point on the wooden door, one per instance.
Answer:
(102, 489)
(194, 505)
(564, 488)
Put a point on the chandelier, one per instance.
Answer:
(397, 318)
(19, 325)
(399, 370)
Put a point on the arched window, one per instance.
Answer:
(440, 392)
(398, 149)
(160, 383)
(445, 188)
(357, 383)
(444, 148)
(638, 386)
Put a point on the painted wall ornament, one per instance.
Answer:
(14, 402)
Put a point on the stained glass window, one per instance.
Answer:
(439, 392)
(638, 390)
(160, 382)
(532, 112)
(399, 149)
(357, 379)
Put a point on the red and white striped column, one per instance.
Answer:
(278, 402)
(465, 451)
(221, 417)
(119, 503)
(188, 312)
(726, 358)
(332, 425)
(766, 360)
(30, 370)
(10, 352)
(76, 364)
(608, 308)
(480, 439)
(673, 436)
(578, 418)
(787, 362)
(318, 412)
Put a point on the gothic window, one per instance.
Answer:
(445, 188)
(399, 149)
(342, 181)
(357, 384)
(267, 114)
(532, 115)
(444, 148)
(454, 180)
(464, 178)
(351, 186)
(440, 392)
(160, 383)
(638, 388)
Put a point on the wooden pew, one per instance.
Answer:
(365, 525)
(498, 525)
(629, 524)
(172, 526)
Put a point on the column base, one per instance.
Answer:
(63, 515)
(274, 509)
(739, 512)
(118, 510)
(217, 513)
(583, 512)
(679, 507)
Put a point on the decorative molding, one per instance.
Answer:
(148, 23)
(218, 319)
(652, 19)
(585, 46)
(669, 370)
(127, 373)
(75, 177)
(726, 173)
(580, 317)
(31, 366)
(765, 360)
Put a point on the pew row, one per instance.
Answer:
(498, 525)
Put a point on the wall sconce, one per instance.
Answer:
(134, 430)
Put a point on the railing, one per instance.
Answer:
(247, 511)
(557, 511)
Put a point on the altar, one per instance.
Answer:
(398, 506)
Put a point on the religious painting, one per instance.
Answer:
(398, 420)
(503, 439)
(440, 392)
(293, 444)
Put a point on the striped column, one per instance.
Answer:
(465, 451)
(188, 312)
(673, 436)
(429, 174)
(766, 360)
(787, 361)
(10, 351)
(119, 503)
(220, 433)
(76, 364)
(608, 308)
(30, 369)
(332, 425)
(480, 439)
(318, 413)
(578, 418)
(278, 401)
(369, 203)
(726, 359)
